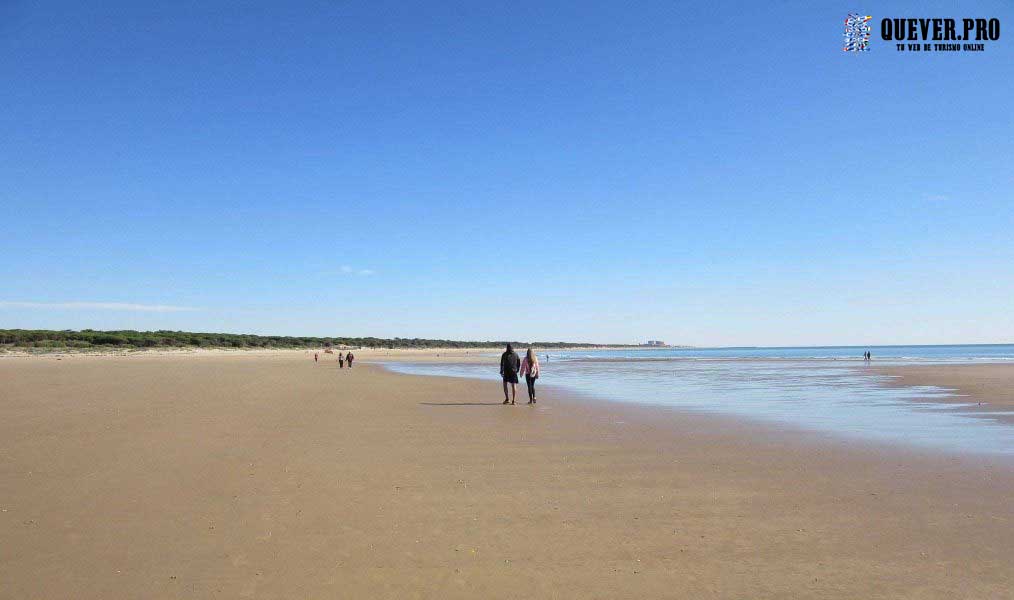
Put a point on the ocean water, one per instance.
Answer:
(826, 389)
(881, 354)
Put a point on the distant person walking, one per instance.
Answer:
(509, 365)
(314, 357)
(530, 369)
(348, 359)
(341, 361)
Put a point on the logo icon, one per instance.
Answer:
(857, 33)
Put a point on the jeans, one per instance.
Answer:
(531, 385)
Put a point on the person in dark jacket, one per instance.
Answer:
(509, 366)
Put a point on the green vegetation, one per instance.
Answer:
(128, 339)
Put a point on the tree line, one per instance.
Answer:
(130, 339)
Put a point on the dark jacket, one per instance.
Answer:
(509, 363)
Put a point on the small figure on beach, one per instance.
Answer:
(348, 358)
(509, 365)
(341, 361)
(314, 357)
(530, 369)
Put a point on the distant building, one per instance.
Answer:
(655, 343)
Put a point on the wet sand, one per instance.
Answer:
(266, 475)
(991, 384)
(986, 388)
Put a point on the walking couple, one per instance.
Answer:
(511, 367)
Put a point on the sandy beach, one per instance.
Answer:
(264, 475)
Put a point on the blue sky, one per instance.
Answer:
(709, 174)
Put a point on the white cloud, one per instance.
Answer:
(349, 270)
(122, 306)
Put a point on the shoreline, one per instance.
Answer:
(988, 384)
(979, 389)
(649, 414)
(273, 476)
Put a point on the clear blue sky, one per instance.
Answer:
(709, 174)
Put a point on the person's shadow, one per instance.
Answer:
(462, 403)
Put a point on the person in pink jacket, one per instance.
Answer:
(530, 369)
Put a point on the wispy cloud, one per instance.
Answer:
(121, 306)
(349, 270)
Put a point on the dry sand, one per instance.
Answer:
(269, 476)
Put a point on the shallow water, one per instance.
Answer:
(809, 388)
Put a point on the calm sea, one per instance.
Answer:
(827, 389)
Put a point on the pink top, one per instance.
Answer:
(529, 368)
